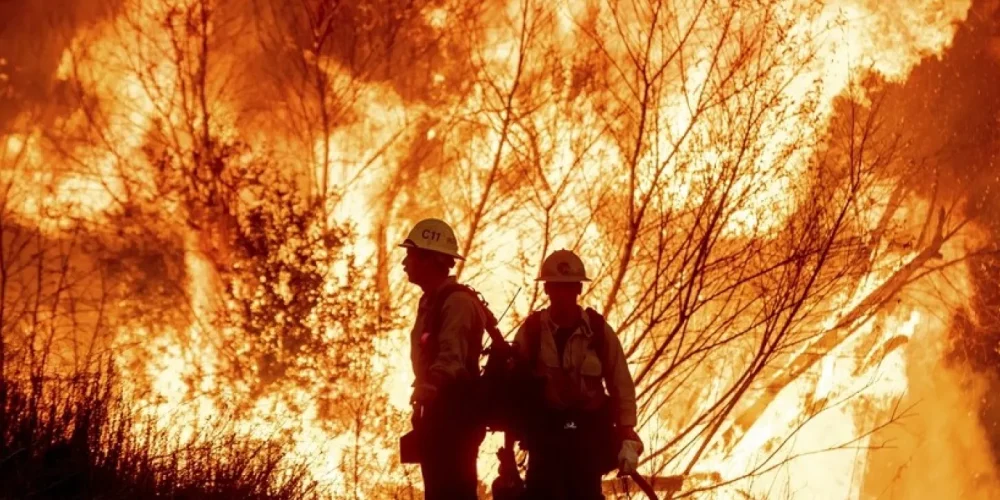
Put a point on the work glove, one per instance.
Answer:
(424, 394)
(628, 457)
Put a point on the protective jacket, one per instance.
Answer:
(577, 379)
(454, 358)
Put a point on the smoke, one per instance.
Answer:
(33, 37)
(948, 111)
(340, 95)
(951, 109)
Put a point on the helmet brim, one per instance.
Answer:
(411, 244)
(566, 279)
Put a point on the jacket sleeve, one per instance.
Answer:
(621, 388)
(459, 322)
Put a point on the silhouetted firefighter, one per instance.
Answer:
(445, 345)
(546, 390)
(576, 431)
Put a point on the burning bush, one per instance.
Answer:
(285, 328)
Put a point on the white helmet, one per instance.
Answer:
(563, 266)
(434, 235)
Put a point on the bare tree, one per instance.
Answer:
(685, 148)
(735, 229)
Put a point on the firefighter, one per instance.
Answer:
(445, 345)
(579, 431)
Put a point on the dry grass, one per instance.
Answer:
(75, 438)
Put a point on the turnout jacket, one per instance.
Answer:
(459, 339)
(575, 381)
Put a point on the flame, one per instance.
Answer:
(514, 108)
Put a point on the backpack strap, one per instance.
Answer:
(533, 336)
(598, 339)
(434, 316)
(435, 319)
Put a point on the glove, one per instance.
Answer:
(628, 457)
(424, 394)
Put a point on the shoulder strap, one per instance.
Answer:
(599, 338)
(434, 314)
(533, 336)
(434, 311)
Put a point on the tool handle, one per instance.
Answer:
(641, 482)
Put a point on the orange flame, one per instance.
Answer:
(484, 121)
